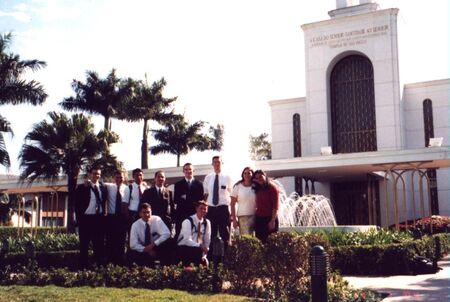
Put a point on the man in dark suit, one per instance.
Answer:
(187, 193)
(160, 199)
(90, 209)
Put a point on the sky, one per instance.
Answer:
(223, 59)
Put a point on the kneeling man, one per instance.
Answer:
(195, 237)
(148, 238)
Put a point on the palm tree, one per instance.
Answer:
(99, 96)
(179, 137)
(5, 127)
(14, 89)
(147, 104)
(260, 147)
(65, 145)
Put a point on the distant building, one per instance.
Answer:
(381, 169)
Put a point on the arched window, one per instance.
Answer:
(352, 103)
(297, 132)
(428, 128)
(428, 120)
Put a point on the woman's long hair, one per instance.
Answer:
(256, 186)
(242, 176)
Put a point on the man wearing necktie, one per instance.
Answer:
(116, 225)
(160, 199)
(148, 238)
(195, 237)
(90, 209)
(217, 187)
(187, 193)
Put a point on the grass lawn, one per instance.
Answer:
(54, 293)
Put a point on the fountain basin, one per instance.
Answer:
(330, 228)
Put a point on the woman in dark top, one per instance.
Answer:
(267, 199)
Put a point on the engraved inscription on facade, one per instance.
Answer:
(348, 38)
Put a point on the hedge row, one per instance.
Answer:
(277, 271)
(6, 231)
(389, 259)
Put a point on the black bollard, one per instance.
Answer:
(319, 266)
(218, 250)
(30, 250)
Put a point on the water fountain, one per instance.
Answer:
(310, 212)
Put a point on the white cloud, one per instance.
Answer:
(17, 15)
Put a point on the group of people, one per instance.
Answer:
(155, 223)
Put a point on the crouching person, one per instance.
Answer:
(148, 239)
(195, 237)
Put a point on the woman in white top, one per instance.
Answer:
(244, 195)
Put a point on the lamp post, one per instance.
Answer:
(218, 250)
(319, 266)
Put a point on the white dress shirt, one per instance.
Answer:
(158, 229)
(133, 200)
(189, 234)
(225, 187)
(90, 210)
(112, 192)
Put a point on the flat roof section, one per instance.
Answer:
(356, 165)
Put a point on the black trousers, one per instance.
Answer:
(164, 253)
(220, 222)
(91, 229)
(261, 228)
(115, 235)
(189, 254)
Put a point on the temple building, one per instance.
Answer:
(378, 151)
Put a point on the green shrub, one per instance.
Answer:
(6, 231)
(45, 242)
(388, 259)
(244, 264)
(68, 259)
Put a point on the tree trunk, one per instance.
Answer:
(71, 186)
(144, 147)
(178, 160)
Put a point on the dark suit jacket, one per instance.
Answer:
(83, 196)
(162, 206)
(186, 199)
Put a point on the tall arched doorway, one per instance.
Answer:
(353, 128)
(352, 103)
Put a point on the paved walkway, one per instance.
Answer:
(429, 287)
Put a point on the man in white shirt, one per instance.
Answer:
(148, 236)
(90, 214)
(133, 199)
(116, 225)
(195, 237)
(217, 187)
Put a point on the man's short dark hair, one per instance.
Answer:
(201, 202)
(92, 168)
(187, 164)
(157, 172)
(145, 206)
(137, 170)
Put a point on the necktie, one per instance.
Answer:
(118, 201)
(189, 182)
(97, 200)
(199, 234)
(148, 235)
(216, 191)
